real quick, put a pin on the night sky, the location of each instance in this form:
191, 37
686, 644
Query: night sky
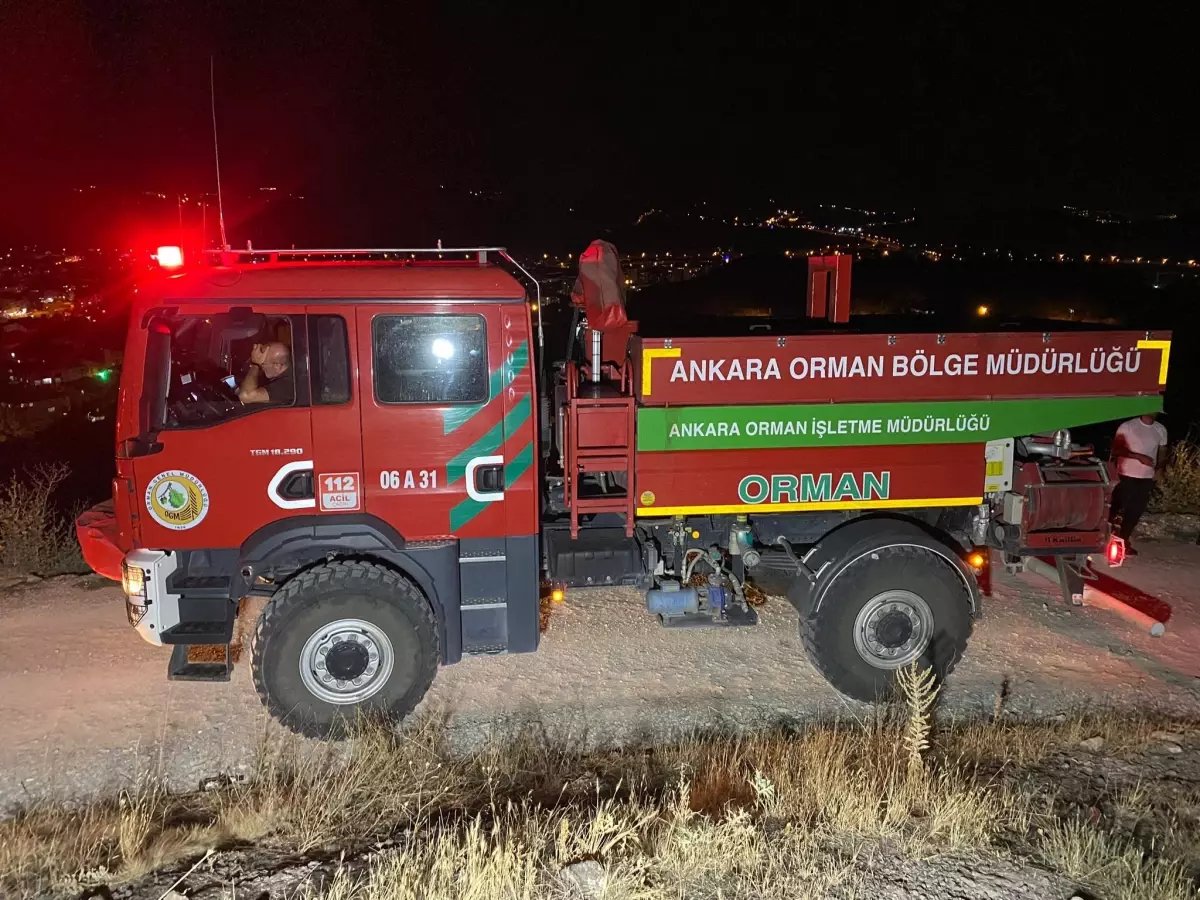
385, 117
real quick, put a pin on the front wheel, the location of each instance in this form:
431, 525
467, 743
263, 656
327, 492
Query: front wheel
344, 640
888, 608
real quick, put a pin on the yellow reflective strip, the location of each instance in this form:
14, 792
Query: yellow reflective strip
1165, 347
648, 356
804, 507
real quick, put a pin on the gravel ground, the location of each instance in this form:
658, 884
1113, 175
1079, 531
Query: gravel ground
879, 871
86, 706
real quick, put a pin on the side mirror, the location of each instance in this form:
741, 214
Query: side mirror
153, 402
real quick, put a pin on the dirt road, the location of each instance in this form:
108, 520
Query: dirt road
85, 704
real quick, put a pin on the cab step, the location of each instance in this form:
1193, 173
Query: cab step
217, 632
180, 668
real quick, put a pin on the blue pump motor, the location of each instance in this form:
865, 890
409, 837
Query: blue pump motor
673, 600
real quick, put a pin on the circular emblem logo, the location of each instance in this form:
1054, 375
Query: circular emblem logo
177, 500
647, 498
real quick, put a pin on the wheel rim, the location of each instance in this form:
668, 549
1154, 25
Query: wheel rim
893, 629
346, 661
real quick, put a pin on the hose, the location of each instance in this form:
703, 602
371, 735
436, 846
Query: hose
738, 586
801, 568
688, 566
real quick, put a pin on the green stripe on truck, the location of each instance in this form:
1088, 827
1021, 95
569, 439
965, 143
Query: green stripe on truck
874, 424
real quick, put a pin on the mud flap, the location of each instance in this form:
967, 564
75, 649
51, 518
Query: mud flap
1070, 578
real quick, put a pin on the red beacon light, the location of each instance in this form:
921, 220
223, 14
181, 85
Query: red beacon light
1115, 551
169, 257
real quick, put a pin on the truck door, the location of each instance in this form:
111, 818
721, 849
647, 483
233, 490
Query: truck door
432, 426
208, 469
447, 406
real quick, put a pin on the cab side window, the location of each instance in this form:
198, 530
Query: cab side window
329, 360
216, 367
430, 359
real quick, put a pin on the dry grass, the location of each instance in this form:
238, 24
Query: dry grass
47, 847
768, 815
1178, 489
651, 850
1118, 868
34, 537
1022, 744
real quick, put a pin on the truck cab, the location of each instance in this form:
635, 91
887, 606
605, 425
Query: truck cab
397, 445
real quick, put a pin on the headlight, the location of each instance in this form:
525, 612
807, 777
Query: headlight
133, 580
135, 612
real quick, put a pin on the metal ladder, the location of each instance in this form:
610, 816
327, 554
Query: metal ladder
600, 437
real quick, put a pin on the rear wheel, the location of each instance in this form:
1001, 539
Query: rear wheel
886, 609
342, 641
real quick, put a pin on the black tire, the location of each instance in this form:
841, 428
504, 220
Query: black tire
331, 592
828, 627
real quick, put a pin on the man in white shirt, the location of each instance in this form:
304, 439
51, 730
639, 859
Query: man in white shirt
1138, 448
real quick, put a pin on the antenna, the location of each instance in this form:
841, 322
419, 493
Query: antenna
212, 90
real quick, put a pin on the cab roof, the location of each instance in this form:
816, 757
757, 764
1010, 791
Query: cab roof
401, 280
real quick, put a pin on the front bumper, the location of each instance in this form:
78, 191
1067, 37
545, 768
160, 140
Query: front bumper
99, 539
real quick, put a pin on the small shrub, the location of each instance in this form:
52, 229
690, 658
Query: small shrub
918, 686
1178, 489
35, 538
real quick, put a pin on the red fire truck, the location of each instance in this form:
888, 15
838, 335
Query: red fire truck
408, 471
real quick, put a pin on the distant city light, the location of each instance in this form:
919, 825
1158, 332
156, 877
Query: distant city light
982, 310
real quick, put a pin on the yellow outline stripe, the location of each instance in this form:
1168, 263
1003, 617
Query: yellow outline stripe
648, 356
801, 507
1165, 347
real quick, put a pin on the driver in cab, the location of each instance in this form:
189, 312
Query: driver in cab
269, 379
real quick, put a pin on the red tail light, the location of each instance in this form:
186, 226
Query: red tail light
169, 257
1115, 551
